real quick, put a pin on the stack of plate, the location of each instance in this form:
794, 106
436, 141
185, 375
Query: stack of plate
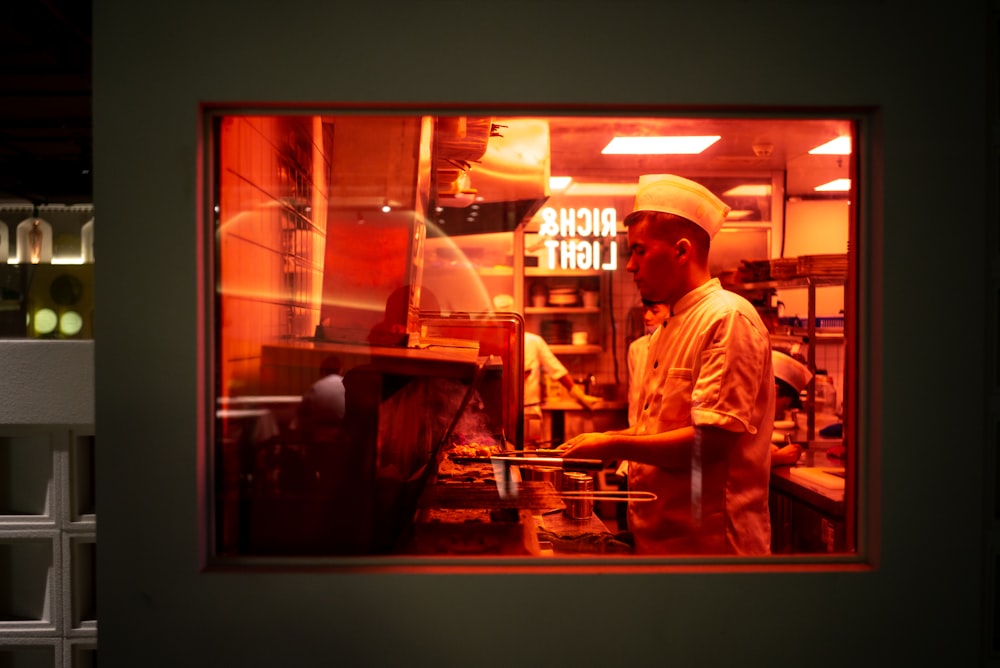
563, 296
557, 332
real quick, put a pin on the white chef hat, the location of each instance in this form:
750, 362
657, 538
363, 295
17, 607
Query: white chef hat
790, 370
682, 197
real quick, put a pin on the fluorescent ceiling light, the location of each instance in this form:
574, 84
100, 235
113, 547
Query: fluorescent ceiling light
559, 182
835, 186
749, 190
838, 146
602, 189
738, 214
659, 145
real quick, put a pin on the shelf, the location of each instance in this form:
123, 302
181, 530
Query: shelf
802, 336
466, 268
797, 282
537, 271
495, 271
577, 310
569, 349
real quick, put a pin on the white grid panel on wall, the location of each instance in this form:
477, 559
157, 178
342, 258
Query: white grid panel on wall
48, 546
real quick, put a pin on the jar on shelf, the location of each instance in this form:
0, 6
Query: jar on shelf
539, 294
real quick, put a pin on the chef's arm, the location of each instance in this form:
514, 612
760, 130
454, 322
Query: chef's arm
669, 449
577, 392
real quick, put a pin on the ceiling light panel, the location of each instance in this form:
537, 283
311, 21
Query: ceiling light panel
659, 145
835, 186
557, 183
838, 146
749, 190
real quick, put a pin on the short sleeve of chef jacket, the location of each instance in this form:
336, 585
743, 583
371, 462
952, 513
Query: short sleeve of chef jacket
731, 390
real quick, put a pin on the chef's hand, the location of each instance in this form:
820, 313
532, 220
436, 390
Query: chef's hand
591, 445
786, 455
587, 401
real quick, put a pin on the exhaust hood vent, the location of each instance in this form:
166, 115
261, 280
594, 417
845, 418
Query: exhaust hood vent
491, 174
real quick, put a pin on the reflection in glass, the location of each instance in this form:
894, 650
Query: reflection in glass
375, 276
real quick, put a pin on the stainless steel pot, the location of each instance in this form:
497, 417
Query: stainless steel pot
543, 474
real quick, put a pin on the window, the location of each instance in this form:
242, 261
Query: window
375, 276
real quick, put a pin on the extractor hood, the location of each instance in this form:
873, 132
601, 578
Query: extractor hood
492, 173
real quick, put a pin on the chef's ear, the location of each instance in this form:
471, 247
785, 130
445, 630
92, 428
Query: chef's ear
683, 248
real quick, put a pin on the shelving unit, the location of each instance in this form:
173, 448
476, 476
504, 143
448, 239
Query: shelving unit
577, 317
467, 272
810, 333
48, 515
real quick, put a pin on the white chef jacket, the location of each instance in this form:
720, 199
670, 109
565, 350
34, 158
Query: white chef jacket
709, 364
636, 358
538, 360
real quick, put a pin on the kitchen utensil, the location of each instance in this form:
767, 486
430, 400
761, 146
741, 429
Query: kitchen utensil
504, 477
566, 463
578, 506
550, 474
611, 495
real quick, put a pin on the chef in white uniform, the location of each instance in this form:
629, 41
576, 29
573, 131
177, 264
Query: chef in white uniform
702, 439
653, 314
539, 362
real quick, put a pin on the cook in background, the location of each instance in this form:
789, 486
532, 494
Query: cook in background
790, 378
702, 439
540, 361
653, 314
321, 412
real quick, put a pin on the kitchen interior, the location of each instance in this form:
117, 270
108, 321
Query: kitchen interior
393, 264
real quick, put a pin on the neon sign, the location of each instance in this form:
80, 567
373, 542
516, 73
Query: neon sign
578, 238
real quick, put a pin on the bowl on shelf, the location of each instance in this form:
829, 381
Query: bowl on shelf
563, 297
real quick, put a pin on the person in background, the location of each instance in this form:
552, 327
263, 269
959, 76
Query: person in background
653, 314
539, 362
790, 378
701, 442
323, 406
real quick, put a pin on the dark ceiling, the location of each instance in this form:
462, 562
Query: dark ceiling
46, 121
45, 102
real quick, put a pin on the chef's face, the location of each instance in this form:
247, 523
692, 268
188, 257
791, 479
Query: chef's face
653, 315
653, 263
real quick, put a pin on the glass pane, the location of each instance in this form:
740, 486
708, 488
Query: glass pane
384, 284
